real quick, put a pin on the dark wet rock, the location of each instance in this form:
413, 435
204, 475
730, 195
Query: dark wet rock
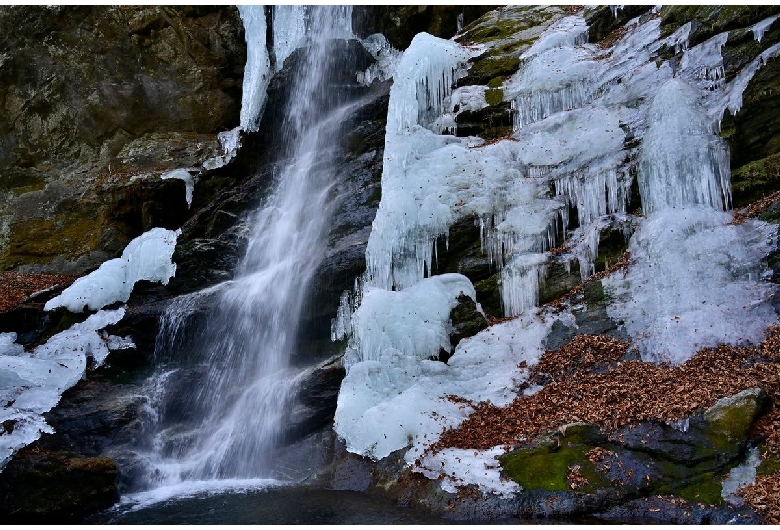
315, 400
666, 510
602, 21
401, 23
56, 487
466, 321
490, 123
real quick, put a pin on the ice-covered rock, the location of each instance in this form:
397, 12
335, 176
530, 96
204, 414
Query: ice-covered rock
147, 257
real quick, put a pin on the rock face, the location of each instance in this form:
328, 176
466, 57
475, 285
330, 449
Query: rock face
97, 103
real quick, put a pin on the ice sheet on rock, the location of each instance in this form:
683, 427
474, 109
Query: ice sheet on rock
189, 182
463, 467
258, 66
741, 475
694, 282
554, 75
703, 64
732, 93
396, 400
31, 384
681, 161
8, 345
147, 257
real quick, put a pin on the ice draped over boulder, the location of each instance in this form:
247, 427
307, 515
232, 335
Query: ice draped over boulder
147, 257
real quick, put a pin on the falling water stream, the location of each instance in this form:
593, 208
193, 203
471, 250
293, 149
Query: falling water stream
225, 425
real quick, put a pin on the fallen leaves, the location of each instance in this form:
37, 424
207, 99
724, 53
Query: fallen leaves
15, 287
764, 497
628, 392
755, 208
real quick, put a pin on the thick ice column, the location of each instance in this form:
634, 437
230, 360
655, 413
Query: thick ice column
258, 66
682, 163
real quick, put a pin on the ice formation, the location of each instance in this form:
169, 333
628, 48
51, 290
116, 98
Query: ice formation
31, 384
147, 257
289, 28
258, 63
585, 118
760, 27
386, 57
189, 182
693, 283
682, 162
396, 399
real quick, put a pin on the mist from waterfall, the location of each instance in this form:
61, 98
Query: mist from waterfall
223, 418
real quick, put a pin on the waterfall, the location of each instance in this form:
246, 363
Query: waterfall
223, 418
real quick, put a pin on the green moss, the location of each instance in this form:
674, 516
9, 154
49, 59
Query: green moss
21, 181
756, 179
545, 468
36, 240
707, 489
770, 466
730, 419
489, 296
494, 96
502, 29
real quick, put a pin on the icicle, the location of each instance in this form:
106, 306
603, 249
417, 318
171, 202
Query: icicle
289, 26
258, 66
760, 28
595, 193
520, 281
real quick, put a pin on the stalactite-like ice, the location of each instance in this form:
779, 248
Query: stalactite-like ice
258, 66
289, 28
682, 162
760, 27
189, 182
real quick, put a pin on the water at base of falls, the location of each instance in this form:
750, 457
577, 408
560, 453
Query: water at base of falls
222, 398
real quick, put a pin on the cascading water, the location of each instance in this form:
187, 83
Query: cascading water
227, 423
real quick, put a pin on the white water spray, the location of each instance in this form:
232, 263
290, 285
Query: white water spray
226, 424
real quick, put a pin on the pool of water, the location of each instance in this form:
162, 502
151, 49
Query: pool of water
269, 505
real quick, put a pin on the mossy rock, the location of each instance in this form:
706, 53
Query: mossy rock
487, 68
547, 467
755, 180
466, 321
490, 123
711, 20
489, 295
37, 240
506, 22
730, 419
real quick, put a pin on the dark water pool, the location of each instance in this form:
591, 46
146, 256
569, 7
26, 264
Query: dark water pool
284, 505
